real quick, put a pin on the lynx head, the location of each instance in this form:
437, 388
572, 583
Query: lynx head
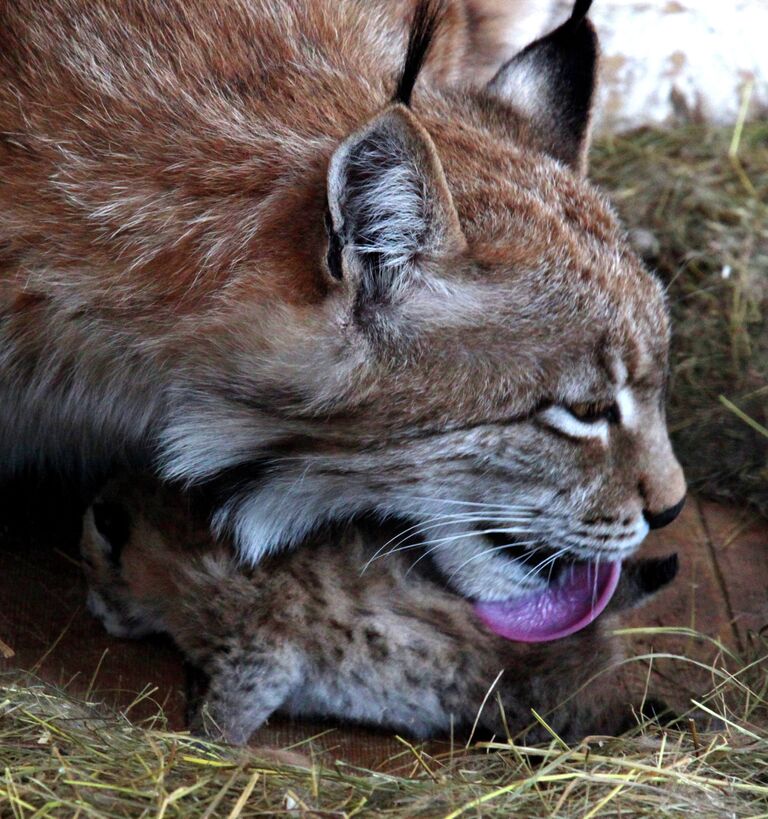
483, 354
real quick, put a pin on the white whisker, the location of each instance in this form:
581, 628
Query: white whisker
450, 538
433, 522
456, 520
486, 553
500, 506
417, 528
594, 586
549, 560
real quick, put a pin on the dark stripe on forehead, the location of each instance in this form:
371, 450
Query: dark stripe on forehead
610, 351
605, 355
632, 359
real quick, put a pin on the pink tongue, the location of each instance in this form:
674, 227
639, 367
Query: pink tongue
559, 610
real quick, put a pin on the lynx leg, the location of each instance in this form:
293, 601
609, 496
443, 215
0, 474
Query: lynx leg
241, 698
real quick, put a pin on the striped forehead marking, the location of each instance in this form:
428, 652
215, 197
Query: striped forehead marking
627, 403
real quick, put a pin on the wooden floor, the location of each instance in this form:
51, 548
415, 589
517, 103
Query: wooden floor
721, 591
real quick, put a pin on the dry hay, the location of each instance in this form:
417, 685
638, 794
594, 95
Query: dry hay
68, 757
703, 196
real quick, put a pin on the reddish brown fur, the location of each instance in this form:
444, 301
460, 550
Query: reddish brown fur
164, 289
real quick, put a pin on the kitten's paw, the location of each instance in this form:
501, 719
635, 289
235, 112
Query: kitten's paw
233, 726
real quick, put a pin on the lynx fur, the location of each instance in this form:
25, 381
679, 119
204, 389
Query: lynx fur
236, 242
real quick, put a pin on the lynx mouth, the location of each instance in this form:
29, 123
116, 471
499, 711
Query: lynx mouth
531, 558
568, 604
576, 593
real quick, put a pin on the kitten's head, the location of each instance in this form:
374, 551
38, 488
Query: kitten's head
107, 529
131, 564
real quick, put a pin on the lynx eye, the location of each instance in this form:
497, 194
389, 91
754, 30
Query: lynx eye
591, 413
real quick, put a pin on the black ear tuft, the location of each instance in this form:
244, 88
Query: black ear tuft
426, 20
113, 523
641, 579
580, 10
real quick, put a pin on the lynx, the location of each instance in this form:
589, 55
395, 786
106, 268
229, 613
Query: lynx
284, 250
332, 630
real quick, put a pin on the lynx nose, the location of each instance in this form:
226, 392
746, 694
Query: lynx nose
656, 520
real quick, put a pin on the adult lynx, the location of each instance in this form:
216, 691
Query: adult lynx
235, 239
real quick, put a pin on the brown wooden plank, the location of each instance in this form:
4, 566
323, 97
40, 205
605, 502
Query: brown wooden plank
695, 601
739, 542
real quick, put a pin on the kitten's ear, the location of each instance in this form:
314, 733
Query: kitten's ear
390, 207
552, 81
112, 523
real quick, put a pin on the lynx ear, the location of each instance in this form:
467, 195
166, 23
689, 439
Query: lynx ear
390, 207
552, 81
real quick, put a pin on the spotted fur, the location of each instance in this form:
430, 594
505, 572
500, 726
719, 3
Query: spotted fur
326, 631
